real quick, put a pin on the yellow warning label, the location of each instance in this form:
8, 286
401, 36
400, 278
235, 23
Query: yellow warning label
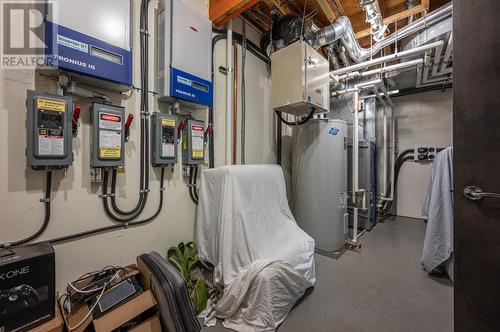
197, 153
110, 153
168, 122
51, 105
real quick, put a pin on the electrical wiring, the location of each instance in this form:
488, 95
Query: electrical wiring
402, 158
124, 225
144, 150
297, 123
91, 309
191, 185
46, 201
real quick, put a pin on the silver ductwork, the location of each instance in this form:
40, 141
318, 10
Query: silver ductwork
332, 57
341, 29
374, 18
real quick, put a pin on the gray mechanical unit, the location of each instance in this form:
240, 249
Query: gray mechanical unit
49, 130
367, 180
164, 139
108, 135
193, 142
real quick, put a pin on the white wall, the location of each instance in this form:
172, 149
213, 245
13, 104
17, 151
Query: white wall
260, 132
75, 205
424, 119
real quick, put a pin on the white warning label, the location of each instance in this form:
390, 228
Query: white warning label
110, 121
197, 141
167, 150
50, 145
342, 200
110, 143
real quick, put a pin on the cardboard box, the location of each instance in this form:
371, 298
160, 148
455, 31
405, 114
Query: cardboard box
120, 315
54, 325
27, 287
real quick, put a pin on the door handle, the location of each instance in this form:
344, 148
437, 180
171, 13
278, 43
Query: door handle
475, 193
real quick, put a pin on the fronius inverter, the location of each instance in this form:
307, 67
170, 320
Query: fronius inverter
163, 139
108, 135
193, 142
91, 38
49, 130
184, 55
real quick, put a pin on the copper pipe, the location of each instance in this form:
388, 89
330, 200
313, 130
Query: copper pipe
235, 102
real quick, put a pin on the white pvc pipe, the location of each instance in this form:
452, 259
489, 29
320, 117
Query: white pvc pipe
355, 164
393, 155
386, 58
229, 91
384, 181
382, 70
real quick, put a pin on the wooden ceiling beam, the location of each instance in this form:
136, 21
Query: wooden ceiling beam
222, 11
328, 9
426, 4
284, 9
394, 18
338, 4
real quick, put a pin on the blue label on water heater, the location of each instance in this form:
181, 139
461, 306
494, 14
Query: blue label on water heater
334, 131
190, 88
71, 50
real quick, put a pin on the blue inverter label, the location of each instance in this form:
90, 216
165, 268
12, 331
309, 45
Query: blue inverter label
190, 88
71, 50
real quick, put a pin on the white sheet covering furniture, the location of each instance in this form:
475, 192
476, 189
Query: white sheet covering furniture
438, 209
261, 257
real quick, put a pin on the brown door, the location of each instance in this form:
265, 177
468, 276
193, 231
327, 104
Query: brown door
476, 105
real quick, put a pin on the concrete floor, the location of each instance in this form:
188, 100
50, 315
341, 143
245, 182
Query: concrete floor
383, 288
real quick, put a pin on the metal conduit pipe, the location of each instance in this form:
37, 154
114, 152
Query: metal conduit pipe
382, 70
229, 90
377, 61
341, 29
355, 150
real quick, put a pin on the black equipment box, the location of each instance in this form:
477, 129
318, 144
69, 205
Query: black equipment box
27, 286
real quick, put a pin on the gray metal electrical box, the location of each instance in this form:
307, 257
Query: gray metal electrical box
49, 130
184, 55
193, 142
163, 139
108, 135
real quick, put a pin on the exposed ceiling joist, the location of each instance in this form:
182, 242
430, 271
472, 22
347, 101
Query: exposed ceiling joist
222, 11
328, 9
283, 8
394, 18
425, 3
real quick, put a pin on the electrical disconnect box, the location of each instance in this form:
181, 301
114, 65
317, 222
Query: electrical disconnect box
193, 142
164, 139
299, 80
49, 130
425, 153
108, 135
91, 38
184, 49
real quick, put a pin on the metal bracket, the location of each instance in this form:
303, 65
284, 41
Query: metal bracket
359, 199
45, 200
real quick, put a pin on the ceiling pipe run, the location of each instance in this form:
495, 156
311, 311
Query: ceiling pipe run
341, 29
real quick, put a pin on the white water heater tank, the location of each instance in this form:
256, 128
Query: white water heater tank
319, 181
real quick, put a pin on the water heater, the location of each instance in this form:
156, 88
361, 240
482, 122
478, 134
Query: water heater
319, 181
184, 55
